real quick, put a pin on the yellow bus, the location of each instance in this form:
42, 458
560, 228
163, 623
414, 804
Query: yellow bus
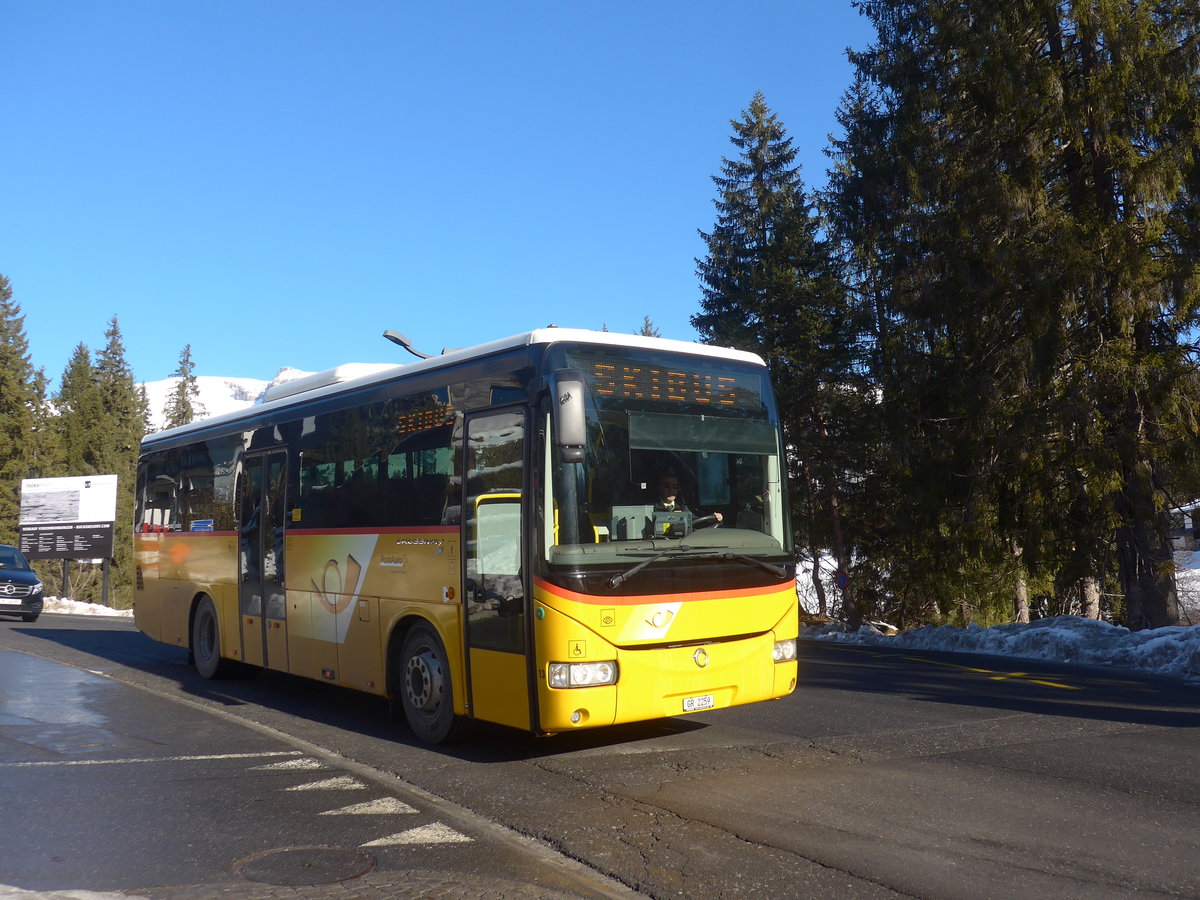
476, 535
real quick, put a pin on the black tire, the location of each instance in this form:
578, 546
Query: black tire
29, 617
206, 642
423, 687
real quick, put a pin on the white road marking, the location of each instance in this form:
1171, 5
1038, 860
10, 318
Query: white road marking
341, 783
437, 833
148, 759
385, 806
291, 765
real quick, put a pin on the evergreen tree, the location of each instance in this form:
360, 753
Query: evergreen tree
18, 402
80, 416
649, 329
79, 410
1017, 189
770, 285
946, 360
101, 420
46, 455
144, 399
125, 416
183, 403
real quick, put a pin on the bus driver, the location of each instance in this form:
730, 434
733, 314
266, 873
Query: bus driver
668, 500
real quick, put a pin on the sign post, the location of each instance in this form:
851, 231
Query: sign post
69, 518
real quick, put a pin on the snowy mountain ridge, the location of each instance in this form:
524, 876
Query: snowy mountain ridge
218, 394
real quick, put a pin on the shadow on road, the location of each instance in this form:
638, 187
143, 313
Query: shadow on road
315, 701
995, 682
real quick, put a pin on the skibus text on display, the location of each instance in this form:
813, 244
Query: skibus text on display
477, 535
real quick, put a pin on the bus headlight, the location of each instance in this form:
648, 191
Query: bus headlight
785, 651
588, 674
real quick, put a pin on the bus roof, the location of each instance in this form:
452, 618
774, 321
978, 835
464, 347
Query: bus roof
355, 375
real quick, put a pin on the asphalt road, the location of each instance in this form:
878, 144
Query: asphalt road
886, 774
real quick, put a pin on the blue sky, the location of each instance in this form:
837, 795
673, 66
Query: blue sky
275, 183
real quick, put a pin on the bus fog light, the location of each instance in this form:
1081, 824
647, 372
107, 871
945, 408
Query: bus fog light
785, 651
589, 674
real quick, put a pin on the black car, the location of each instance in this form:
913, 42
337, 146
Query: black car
20, 589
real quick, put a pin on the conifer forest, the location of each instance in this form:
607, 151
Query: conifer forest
982, 327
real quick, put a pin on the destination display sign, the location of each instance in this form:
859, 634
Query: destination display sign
672, 383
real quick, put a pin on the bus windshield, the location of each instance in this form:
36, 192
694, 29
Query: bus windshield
682, 455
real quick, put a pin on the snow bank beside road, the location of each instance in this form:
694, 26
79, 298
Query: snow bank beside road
79, 608
1066, 639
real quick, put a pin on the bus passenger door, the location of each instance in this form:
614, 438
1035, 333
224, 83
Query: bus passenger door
495, 588
261, 599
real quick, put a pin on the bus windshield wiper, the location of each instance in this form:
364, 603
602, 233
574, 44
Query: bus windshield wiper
625, 576
778, 571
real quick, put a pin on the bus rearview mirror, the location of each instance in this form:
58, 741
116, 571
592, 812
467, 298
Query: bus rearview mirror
566, 407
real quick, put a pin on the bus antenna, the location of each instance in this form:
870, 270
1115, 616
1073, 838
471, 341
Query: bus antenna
397, 338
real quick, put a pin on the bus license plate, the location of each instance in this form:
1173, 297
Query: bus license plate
694, 704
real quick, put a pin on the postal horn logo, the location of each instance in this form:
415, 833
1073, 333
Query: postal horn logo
337, 589
700, 657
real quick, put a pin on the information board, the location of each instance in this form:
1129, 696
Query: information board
68, 518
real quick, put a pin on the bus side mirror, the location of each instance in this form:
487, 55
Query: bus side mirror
566, 407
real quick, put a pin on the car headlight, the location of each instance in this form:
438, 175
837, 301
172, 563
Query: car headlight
588, 674
785, 651
37, 588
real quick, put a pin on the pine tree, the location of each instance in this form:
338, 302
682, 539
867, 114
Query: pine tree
771, 285
1017, 188
183, 403
18, 402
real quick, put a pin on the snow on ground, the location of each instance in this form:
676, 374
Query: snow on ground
79, 608
1064, 639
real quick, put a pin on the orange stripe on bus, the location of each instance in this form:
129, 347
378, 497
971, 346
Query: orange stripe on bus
297, 530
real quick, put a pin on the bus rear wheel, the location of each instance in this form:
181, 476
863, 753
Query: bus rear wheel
423, 685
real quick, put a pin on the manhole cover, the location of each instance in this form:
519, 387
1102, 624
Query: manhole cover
305, 865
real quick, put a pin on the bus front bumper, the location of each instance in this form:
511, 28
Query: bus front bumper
655, 683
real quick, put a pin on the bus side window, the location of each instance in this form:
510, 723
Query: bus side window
158, 503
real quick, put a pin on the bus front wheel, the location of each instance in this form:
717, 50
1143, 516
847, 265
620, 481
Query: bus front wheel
423, 686
206, 641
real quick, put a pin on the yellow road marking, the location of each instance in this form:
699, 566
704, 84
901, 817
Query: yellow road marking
995, 676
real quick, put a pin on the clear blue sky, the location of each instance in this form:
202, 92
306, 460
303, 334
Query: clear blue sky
275, 183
